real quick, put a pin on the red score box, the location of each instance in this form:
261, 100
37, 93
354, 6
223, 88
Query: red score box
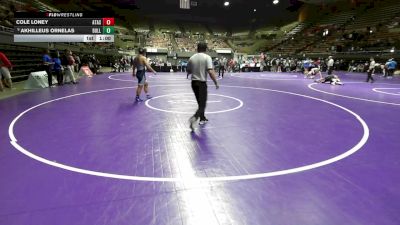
108, 21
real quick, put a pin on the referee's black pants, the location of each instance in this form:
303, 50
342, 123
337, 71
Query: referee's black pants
200, 91
330, 70
369, 76
221, 69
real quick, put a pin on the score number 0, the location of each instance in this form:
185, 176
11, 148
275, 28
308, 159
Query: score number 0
108, 21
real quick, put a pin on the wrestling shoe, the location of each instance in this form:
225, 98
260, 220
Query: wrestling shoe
204, 121
192, 122
138, 99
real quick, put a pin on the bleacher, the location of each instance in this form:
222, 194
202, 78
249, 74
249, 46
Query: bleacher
6, 29
217, 29
43, 7
186, 44
25, 59
265, 38
159, 40
340, 24
166, 27
7, 9
216, 43
194, 28
293, 28
375, 16
305, 35
285, 34
338, 19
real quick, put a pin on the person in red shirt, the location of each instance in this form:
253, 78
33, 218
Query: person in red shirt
5, 75
69, 72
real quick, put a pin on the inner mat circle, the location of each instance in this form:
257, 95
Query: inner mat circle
185, 103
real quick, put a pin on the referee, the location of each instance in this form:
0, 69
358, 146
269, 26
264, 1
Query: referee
331, 63
199, 65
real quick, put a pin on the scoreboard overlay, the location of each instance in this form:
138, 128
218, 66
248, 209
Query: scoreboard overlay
63, 27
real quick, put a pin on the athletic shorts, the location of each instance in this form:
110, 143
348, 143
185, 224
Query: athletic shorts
5, 73
141, 76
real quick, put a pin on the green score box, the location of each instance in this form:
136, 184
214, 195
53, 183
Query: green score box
108, 30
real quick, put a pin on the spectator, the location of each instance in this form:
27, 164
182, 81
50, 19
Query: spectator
391, 67
70, 62
330, 64
47, 65
77, 62
57, 68
221, 67
5, 67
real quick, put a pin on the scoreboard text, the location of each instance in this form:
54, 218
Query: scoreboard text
62, 27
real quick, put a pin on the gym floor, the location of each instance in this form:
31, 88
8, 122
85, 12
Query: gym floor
278, 149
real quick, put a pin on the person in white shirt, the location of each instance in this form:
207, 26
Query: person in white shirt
199, 65
371, 69
330, 65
